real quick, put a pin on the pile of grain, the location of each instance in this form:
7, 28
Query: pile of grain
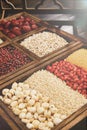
43, 43
79, 58
66, 100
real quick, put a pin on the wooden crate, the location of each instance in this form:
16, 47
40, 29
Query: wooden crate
37, 21
68, 37
69, 122
7, 77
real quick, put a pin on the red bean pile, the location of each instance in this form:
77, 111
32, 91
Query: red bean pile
17, 26
11, 59
74, 76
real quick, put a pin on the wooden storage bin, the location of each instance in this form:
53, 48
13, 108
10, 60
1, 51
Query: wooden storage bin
66, 124
37, 21
72, 40
6, 77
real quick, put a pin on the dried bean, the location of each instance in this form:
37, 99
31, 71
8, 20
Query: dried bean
11, 59
73, 75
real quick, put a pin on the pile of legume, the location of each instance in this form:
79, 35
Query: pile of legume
66, 99
11, 59
79, 58
73, 75
43, 43
34, 109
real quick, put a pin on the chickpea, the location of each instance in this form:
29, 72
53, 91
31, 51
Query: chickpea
29, 125
36, 124
5, 91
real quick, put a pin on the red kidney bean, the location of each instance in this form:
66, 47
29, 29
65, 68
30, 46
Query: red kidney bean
11, 59
74, 76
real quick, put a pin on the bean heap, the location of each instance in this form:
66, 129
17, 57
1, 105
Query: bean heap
11, 59
35, 110
66, 99
73, 75
17, 26
43, 43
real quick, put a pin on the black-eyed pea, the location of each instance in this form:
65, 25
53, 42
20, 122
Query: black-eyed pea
21, 100
25, 121
22, 115
36, 115
53, 110
36, 98
14, 98
36, 124
31, 102
47, 113
14, 86
29, 115
20, 85
13, 104
32, 109
41, 118
5, 91
26, 99
24, 110
41, 126
45, 105
16, 111
7, 101
50, 124
12, 91
40, 110
21, 106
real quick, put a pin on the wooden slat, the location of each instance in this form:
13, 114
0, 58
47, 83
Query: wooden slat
8, 120
16, 122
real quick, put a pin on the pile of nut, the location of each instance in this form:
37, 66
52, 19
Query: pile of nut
43, 43
35, 110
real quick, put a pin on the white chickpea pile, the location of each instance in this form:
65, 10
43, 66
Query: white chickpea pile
35, 110
65, 99
43, 43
